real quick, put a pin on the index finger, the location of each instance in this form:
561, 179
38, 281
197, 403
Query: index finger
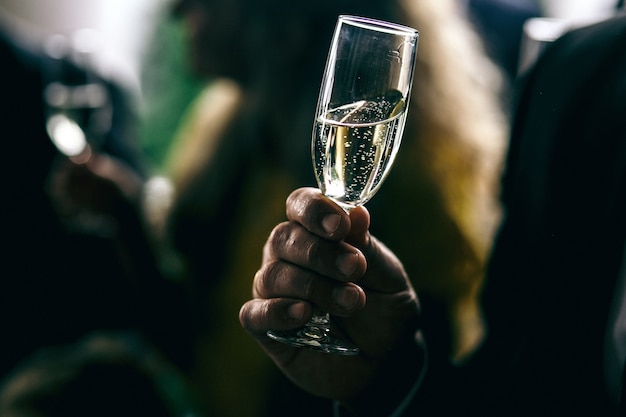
318, 214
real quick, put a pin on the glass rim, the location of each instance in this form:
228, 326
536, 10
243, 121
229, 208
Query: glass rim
369, 23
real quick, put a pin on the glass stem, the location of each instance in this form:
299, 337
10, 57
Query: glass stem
318, 327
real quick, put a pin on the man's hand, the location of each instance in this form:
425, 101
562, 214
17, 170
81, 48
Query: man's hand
324, 257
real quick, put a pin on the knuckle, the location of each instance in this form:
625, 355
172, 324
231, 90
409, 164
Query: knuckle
308, 287
296, 205
311, 249
254, 315
245, 316
283, 235
264, 279
300, 200
257, 284
289, 240
278, 279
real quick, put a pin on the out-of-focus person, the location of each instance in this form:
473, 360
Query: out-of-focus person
77, 255
245, 144
555, 292
501, 26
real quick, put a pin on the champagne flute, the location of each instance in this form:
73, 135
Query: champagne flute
359, 121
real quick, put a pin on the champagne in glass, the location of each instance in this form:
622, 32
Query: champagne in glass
355, 145
358, 126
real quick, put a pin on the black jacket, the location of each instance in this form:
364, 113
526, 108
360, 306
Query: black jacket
559, 250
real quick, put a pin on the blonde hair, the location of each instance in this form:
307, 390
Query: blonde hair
456, 93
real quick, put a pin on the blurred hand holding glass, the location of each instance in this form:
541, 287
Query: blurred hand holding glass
77, 103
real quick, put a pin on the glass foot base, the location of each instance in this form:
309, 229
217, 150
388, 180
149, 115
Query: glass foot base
325, 344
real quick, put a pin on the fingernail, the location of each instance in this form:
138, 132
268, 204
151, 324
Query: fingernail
347, 263
296, 311
331, 222
346, 297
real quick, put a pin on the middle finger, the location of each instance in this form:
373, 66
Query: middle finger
281, 279
337, 260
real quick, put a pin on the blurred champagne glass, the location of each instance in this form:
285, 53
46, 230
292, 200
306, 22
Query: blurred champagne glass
78, 108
